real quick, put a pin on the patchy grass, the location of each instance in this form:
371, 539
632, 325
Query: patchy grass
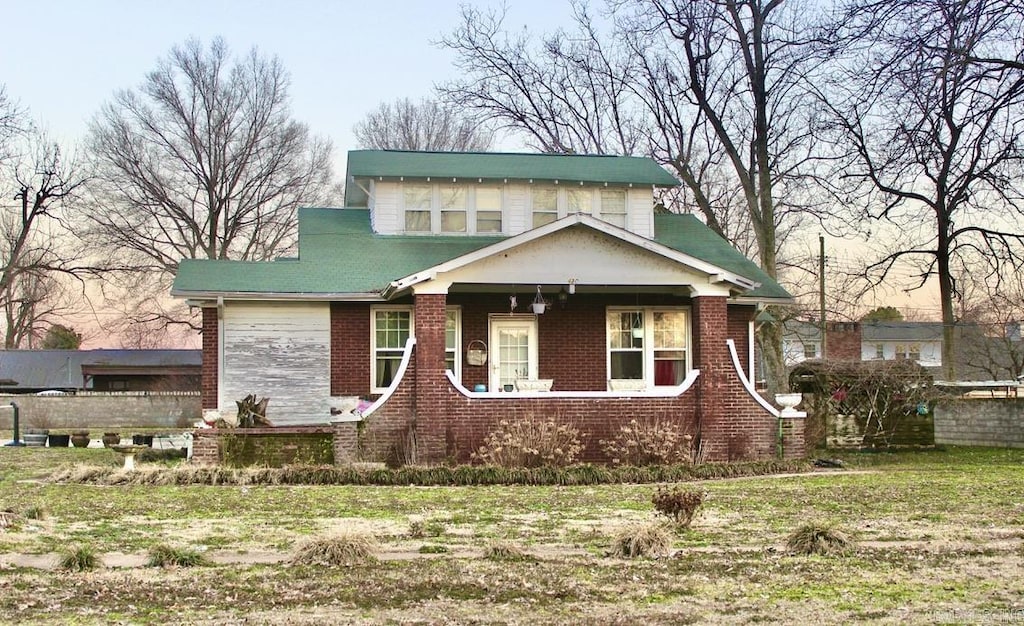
940, 536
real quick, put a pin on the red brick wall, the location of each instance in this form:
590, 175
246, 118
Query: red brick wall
350, 348
739, 332
843, 341
208, 371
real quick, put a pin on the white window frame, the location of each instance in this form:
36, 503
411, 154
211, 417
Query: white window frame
469, 193
559, 203
456, 349
602, 214
648, 338
373, 338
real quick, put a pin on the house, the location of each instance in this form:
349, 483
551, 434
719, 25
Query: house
458, 289
34, 371
865, 341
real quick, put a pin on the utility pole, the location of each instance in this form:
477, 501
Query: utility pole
821, 296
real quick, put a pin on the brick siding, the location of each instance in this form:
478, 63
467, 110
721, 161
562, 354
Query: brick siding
208, 371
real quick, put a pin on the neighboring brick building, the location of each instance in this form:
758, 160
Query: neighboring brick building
460, 289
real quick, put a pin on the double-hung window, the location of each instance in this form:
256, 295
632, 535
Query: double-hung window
488, 209
392, 326
453, 209
579, 200
613, 206
649, 344
418, 201
545, 205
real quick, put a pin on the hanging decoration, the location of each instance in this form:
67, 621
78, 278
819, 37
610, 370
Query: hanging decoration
539, 304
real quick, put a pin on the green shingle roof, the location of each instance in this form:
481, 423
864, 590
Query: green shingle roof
688, 234
574, 168
338, 254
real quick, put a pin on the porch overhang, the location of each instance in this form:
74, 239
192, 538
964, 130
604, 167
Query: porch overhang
581, 251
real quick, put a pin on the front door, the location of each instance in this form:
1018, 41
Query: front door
513, 350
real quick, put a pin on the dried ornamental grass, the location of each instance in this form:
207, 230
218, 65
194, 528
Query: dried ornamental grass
818, 539
642, 540
531, 442
339, 550
648, 442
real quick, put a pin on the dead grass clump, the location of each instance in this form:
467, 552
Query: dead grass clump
36, 512
818, 539
163, 555
83, 474
679, 505
78, 559
504, 551
531, 442
642, 540
342, 549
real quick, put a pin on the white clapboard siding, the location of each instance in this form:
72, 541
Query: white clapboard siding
385, 209
640, 212
517, 210
281, 351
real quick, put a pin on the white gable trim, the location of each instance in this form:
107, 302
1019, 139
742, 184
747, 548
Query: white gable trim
716, 274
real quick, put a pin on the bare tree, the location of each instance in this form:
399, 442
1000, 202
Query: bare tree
427, 125
715, 89
934, 136
203, 160
36, 252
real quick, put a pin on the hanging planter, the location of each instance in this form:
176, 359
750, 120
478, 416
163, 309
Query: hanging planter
476, 353
638, 327
539, 304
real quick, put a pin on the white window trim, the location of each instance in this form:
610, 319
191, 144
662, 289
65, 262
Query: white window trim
457, 349
412, 333
472, 208
648, 349
373, 337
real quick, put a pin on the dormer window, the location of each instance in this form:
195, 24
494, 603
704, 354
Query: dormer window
545, 205
488, 209
453, 209
613, 206
418, 203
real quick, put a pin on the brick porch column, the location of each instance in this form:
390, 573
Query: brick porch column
711, 356
430, 378
208, 374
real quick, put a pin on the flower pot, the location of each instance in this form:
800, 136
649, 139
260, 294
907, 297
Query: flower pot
59, 441
111, 439
539, 307
35, 438
80, 439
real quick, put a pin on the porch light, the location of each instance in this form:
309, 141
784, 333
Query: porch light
563, 298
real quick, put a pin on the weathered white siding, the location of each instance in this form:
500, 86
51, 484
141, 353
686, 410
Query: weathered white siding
640, 212
518, 200
385, 208
279, 350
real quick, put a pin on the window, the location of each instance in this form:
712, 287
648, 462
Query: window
418, 201
669, 347
613, 206
879, 351
545, 205
452, 331
648, 344
392, 327
901, 352
810, 350
626, 345
579, 200
914, 352
453, 209
488, 209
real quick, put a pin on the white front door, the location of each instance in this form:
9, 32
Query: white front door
513, 350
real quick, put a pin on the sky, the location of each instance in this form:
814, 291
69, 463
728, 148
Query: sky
63, 59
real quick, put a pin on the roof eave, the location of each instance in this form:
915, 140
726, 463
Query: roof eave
192, 297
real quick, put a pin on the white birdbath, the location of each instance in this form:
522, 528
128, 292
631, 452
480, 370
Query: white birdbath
129, 453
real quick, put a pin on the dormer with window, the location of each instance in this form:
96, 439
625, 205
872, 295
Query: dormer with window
433, 193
